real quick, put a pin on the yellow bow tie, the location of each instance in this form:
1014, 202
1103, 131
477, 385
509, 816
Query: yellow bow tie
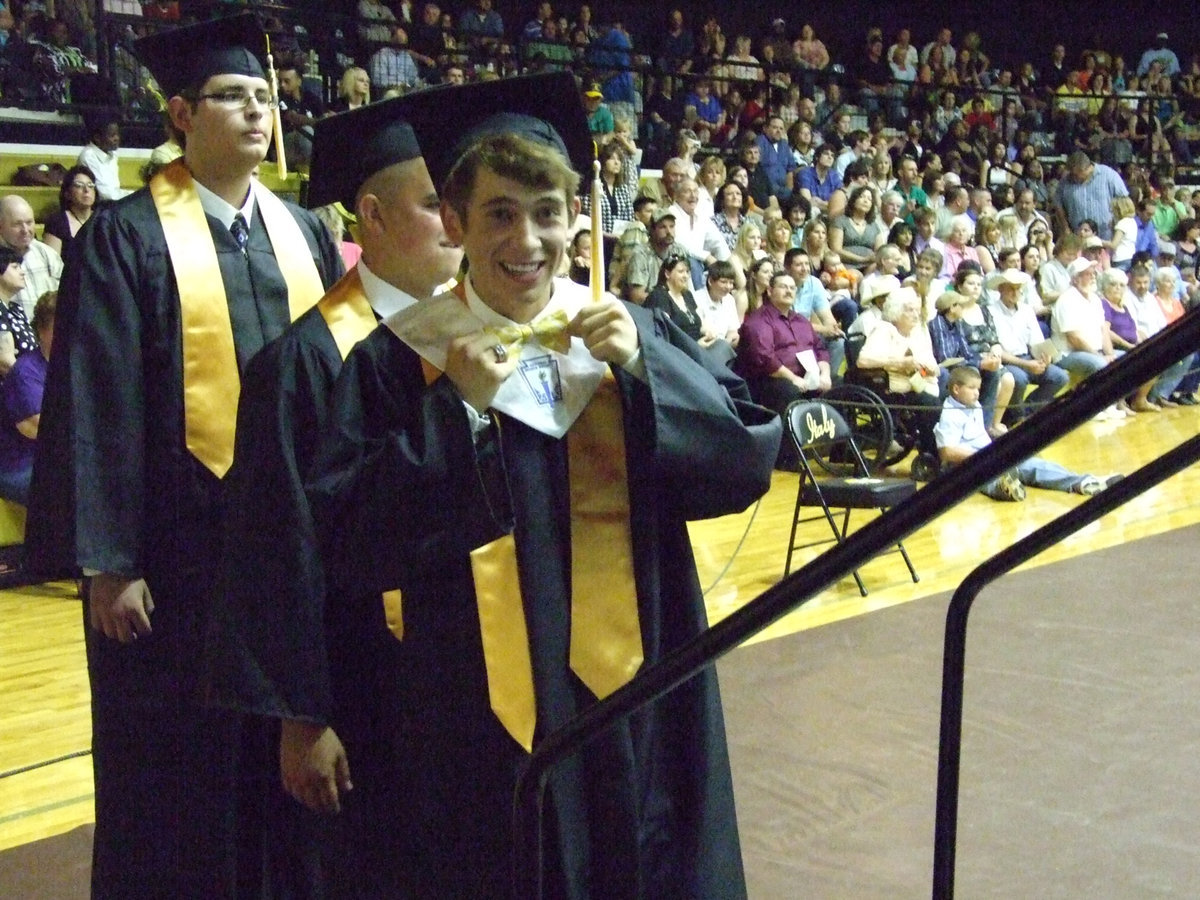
550, 331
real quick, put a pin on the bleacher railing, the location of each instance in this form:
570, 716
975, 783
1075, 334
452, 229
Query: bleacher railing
1096, 393
511, 55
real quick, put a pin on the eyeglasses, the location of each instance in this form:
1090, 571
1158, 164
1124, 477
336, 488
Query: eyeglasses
238, 99
83, 185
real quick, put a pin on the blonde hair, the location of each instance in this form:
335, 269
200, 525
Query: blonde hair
712, 164
982, 227
1123, 208
778, 226
346, 85
741, 248
329, 216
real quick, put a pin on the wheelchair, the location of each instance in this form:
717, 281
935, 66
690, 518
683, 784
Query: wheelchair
885, 436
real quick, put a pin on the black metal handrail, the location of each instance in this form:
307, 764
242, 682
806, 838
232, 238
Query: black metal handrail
1097, 392
955, 651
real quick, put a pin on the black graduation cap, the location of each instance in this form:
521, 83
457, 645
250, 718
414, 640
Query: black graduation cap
350, 147
545, 108
187, 57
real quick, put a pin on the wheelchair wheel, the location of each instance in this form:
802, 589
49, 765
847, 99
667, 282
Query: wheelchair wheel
871, 422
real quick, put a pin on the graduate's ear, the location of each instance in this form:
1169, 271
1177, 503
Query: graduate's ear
453, 224
181, 111
576, 205
369, 213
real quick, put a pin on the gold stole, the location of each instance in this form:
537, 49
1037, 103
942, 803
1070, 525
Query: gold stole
347, 312
606, 638
348, 315
211, 380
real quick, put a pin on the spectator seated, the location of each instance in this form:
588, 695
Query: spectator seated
781, 357
961, 434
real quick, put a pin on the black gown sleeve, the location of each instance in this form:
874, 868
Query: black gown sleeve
713, 448
89, 477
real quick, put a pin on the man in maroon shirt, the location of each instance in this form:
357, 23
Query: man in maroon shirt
771, 341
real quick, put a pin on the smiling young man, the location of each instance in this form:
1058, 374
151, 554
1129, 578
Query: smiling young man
519, 461
168, 295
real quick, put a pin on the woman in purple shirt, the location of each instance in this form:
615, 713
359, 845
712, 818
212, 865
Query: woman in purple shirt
22, 393
1123, 330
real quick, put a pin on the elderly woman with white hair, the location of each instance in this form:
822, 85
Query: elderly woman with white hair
958, 249
1123, 332
1177, 385
900, 346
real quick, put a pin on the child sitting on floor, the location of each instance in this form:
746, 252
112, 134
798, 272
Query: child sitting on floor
960, 433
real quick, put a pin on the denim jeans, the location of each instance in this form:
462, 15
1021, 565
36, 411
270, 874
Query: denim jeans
1082, 363
14, 485
1040, 473
1049, 383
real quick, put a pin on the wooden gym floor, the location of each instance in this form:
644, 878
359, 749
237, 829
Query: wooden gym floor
45, 770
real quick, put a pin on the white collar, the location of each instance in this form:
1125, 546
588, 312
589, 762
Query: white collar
386, 299
548, 390
560, 298
223, 211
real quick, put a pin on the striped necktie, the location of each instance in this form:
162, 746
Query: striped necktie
240, 232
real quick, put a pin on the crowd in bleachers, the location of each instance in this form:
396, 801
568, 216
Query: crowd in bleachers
761, 166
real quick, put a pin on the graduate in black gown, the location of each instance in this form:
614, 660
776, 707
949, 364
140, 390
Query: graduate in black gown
526, 492
165, 300
266, 646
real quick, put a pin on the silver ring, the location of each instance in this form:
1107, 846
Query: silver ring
501, 353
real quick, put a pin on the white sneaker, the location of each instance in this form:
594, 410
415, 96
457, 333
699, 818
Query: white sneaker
1104, 415
1115, 412
1091, 485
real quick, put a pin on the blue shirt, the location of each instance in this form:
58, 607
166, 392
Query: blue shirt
777, 161
22, 397
1166, 56
393, 67
949, 340
708, 110
811, 297
1147, 239
1092, 199
611, 52
822, 189
961, 426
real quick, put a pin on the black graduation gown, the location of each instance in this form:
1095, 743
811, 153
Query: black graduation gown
116, 490
266, 650
401, 493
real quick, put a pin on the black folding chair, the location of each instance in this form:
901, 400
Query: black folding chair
817, 429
